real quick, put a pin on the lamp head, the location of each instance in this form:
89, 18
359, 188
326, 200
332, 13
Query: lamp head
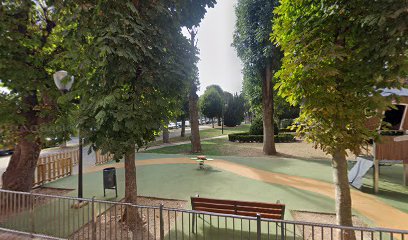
63, 81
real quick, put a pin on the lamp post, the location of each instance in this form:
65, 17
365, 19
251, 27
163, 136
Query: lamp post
223, 111
64, 82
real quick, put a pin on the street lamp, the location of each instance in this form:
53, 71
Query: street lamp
223, 111
64, 82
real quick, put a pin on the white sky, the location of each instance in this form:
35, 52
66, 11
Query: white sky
219, 63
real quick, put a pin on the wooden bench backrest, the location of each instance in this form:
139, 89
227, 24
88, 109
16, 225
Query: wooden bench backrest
243, 208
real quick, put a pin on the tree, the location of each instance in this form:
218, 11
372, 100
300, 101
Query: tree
235, 110
136, 63
223, 97
211, 104
30, 42
193, 97
261, 58
338, 57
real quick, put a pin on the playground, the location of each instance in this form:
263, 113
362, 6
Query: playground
300, 184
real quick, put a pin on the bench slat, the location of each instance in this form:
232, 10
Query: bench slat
241, 203
214, 205
260, 210
263, 215
244, 208
215, 210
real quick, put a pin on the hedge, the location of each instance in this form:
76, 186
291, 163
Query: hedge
246, 137
392, 132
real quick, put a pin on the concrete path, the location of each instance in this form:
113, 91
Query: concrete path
381, 214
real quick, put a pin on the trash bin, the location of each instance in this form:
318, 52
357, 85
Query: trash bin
109, 180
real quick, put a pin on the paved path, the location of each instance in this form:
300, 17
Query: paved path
377, 211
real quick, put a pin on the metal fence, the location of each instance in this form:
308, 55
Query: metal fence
59, 217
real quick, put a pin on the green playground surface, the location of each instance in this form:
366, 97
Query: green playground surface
181, 181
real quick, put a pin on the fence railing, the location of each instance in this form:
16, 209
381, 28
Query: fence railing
102, 158
70, 153
52, 169
53, 166
59, 217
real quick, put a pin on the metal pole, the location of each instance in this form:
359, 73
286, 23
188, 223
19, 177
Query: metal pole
161, 223
222, 124
258, 226
80, 168
93, 225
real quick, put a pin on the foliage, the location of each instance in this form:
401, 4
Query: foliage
30, 45
257, 127
338, 57
184, 111
392, 133
251, 37
211, 103
235, 110
251, 40
135, 66
247, 138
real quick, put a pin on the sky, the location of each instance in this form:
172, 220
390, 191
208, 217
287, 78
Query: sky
219, 63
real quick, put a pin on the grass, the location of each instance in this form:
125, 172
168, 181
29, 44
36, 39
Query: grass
206, 133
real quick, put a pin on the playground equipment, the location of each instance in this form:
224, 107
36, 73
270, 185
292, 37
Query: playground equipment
392, 149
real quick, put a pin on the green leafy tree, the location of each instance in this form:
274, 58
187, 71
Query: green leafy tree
261, 58
135, 66
223, 97
30, 43
235, 110
338, 57
211, 103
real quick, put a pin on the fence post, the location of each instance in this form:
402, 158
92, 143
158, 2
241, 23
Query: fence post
161, 222
31, 203
258, 226
93, 219
282, 231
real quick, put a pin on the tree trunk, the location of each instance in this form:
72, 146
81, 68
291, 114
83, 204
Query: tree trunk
267, 105
183, 127
212, 120
194, 126
166, 135
219, 121
19, 175
343, 197
131, 215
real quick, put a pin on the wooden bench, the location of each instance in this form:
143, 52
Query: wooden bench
241, 208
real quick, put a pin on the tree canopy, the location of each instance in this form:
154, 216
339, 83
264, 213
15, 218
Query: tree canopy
338, 56
136, 67
235, 110
211, 103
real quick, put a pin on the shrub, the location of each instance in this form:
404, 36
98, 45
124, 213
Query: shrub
247, 137
257, 127
392, 133
285, 123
